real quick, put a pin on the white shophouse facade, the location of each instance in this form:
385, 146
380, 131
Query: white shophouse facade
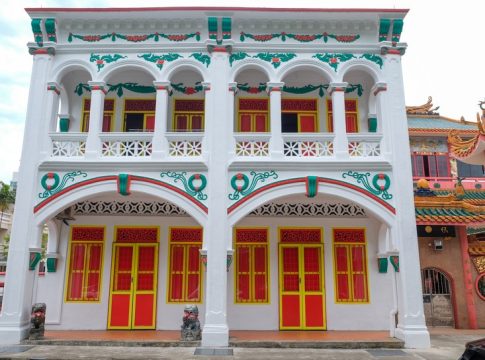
252, 161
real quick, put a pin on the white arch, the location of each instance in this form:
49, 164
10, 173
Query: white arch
126, 64
70, 65
360, 65
272, 193
106, 187
312, 64
184, 64
255, 64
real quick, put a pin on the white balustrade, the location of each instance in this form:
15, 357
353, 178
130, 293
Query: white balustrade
308, 145
364, 145
252, 145
184, 144
68, 144
126, 144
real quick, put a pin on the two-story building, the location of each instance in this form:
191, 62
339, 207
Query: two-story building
254, 162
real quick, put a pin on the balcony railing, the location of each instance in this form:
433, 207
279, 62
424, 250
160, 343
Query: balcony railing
448, 183
364, 145
68, 144
184, 144
126, 144
252, 145
308, 145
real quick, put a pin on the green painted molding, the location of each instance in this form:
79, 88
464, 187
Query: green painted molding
50, 28
384, 26
212, 27
37, 31
397, 26
124, 184
226, 27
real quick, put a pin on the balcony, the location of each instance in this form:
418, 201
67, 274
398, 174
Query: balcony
309, 145
126, 145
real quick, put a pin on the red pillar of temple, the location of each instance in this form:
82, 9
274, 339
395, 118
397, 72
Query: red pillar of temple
467, 277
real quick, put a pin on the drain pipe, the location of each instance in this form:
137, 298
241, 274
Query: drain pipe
394, 310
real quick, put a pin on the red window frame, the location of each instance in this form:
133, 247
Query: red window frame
351, 116
431, 165
107, 115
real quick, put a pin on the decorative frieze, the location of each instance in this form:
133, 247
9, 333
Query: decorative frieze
135, 38
243, 186
128, 208
194, 185
52, 183
309, 210
377, 185
102, 60
302, 38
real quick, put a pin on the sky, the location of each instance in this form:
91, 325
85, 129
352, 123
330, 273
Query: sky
445, 50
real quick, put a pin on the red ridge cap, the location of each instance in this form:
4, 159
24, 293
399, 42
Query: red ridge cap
214, 8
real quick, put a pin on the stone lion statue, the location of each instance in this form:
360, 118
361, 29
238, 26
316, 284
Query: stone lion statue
190, 329
37, 321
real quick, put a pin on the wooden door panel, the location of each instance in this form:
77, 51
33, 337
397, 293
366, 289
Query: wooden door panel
121, 287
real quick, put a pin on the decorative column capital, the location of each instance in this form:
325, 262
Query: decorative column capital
206, 86
233, 87
54, 86
378, 87
274, 86
337, 86
98, 85
390, 48
48, 48
219, 46
162, 85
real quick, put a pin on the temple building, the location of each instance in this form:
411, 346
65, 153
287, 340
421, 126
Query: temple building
249, 161
450, 216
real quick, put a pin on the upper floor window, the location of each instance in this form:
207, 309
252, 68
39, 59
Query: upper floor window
431, 165
299, 115
252, 115
139, 115
188, 115
351, 116
108, 115
468, 170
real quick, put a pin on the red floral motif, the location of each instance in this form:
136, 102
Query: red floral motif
137, 235
262, 37
304, 37
99, 62
345, 38
91, 38
136, 38
190, 90
251, 236
253, 90
275, 60
300, 236
177, 37
83, 233
349, 236
160, 61
186, 235
333, 60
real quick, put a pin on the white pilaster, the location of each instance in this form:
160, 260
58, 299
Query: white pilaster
93, 142
411, 327
159, 141
379, 92
216, 232
340, 142
276, 142
17, 301
232, 92
49, 123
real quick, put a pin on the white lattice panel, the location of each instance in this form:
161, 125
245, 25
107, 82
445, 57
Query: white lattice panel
252, 148
308, 148
68, 148
309, 210
364, 149
185, 148
126, 148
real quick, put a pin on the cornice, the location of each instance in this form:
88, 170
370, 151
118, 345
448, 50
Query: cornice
316, 165
122, 165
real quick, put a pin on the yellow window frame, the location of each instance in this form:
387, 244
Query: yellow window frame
189, 115
85, 271
85, 115
146, 113
356, 113
350, 272
253, 114
252, 265
186, 273
300, 112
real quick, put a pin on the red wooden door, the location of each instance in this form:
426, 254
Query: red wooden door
302, 300
133, 286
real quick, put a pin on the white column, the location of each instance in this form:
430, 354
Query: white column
340, 142
93, 142
216, 232
379, 92
276, 142
233, 117
411, 327
159, 141
49, 123
17, 301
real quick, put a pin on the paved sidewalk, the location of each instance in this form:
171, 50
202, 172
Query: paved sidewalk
445, 345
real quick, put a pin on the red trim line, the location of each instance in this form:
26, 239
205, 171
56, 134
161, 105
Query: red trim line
115, 178
303, 180
215, 8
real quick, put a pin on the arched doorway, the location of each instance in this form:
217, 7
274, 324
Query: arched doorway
437, 297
